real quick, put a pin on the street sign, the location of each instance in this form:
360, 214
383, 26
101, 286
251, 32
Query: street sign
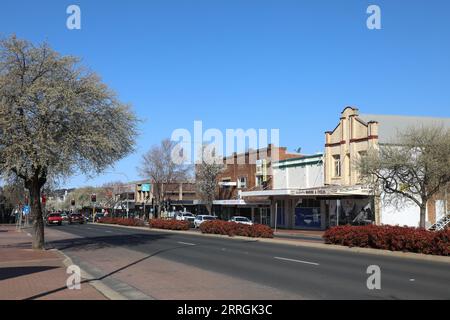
26, 210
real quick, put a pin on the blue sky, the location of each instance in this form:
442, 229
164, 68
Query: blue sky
291, 65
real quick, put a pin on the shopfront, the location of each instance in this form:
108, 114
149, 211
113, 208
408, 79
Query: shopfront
258, 211
318, 208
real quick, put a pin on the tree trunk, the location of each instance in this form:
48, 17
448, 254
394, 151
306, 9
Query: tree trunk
423, 213
158, 210
209, 208
34, 188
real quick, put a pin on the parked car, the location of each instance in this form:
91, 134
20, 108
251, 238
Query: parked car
202, 218
243, 220
64, 216
76, 218
185, 216
54, 218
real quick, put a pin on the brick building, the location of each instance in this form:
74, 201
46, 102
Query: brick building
244, 172
180, 196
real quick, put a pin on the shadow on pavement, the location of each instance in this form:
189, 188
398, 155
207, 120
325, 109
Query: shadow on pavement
102, 242
40, 295
13, 272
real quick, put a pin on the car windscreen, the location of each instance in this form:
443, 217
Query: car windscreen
188, 214
209, 218
241, 219
54, 215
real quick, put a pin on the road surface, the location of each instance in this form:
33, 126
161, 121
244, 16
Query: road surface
246, 269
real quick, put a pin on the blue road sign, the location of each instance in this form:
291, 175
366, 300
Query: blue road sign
26, 210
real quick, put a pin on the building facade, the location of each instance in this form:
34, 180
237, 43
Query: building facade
352, 138
245, 172
181, 196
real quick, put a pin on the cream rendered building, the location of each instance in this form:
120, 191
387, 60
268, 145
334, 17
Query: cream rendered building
349, 140
353, 137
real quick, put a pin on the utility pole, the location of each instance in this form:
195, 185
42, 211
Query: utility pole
127, 201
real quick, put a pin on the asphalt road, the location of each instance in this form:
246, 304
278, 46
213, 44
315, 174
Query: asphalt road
310, 272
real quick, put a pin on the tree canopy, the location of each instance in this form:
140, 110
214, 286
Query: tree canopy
56, 118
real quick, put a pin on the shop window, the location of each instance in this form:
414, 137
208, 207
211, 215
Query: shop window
307, 214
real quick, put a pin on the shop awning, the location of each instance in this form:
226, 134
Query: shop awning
322, 191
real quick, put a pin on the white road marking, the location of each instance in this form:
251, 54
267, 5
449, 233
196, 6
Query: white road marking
412, 280
108, 231
186, 243
28, 234
299, 261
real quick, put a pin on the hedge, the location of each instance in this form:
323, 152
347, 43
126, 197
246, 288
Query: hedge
169, 224
392, 238
123, 221
236, 229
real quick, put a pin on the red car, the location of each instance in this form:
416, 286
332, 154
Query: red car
54, 218
76, 218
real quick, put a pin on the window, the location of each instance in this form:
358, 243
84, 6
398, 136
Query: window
337, 166
242, 182
259, 181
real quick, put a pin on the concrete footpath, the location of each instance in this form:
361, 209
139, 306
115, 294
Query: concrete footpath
35, 274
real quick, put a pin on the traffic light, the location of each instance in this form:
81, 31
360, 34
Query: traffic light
94, 198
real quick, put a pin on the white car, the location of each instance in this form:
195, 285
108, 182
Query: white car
185, 216
202, 218
243, 220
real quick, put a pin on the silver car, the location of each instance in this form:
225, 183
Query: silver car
202, 218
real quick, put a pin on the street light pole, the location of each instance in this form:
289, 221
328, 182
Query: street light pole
127, 202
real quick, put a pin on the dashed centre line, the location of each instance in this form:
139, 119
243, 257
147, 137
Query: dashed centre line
298, 261
186, 243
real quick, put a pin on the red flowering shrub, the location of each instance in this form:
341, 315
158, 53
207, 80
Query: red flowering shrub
169, 224
236, 229
392, 238
122, 221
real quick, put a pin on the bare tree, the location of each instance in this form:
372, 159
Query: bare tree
414, 168
159, 167
56, 118
14, 193
206, 175
110, 190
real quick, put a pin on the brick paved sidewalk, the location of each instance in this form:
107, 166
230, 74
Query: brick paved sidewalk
35, 274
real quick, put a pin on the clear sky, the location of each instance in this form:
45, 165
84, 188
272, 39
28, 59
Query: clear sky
292, 65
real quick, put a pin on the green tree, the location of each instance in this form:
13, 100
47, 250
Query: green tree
57, 118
